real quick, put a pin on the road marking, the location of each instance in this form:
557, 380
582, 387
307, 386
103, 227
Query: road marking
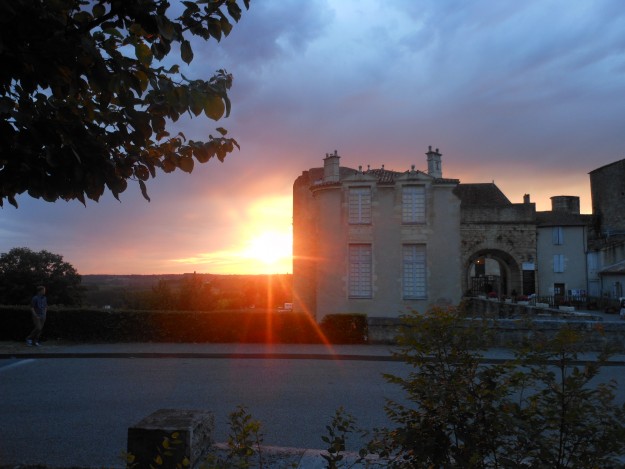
16, 364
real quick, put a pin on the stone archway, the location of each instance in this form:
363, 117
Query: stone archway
492, 270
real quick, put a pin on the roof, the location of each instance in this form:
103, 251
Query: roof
619, 162
556, 218
614, 269
481, 195
384, 176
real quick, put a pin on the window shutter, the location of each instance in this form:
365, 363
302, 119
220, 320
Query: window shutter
413, 204
360, 271
359, 205
414, 283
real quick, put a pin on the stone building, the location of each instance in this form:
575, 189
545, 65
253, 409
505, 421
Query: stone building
375, 241
498, 241
378, 242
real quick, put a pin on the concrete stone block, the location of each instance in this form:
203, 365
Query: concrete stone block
194, 436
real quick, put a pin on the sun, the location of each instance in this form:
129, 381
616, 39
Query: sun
273, 249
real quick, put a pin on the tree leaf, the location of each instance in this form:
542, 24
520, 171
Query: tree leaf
143, 53
214, 107
98, 10
165, 27
186, 53
144, 190
186, 164
143, 79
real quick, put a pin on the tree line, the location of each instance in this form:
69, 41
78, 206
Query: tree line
22, 270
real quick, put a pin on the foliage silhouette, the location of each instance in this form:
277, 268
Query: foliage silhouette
22, 270
88, 93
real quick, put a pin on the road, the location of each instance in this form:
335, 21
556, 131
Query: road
74, 408
76, 411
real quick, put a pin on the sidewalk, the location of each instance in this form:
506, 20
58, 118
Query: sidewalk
365, 352
65, 349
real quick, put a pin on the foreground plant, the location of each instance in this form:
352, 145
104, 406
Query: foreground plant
538, 410
244, 443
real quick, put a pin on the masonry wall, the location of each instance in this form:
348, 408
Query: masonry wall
607, 190
498, 230
514, 325
304, 246
386, 234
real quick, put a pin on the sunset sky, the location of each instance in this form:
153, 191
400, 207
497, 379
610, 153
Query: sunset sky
529, 94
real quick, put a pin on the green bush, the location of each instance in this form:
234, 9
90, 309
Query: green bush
542, 409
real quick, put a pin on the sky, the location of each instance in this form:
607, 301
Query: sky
527, 94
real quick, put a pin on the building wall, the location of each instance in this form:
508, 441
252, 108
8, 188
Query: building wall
304, 245
322, 235
573, 250
607, 190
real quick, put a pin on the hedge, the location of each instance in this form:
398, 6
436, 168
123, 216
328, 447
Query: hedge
241, 326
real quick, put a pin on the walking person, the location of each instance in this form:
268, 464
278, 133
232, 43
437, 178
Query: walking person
38, 308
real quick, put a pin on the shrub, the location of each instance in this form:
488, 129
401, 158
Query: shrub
345, 328
242, 326
538, 410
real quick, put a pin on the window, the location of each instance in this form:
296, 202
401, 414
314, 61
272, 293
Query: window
360, 271
359, 205
558, 263
414, 271
557, 234
413, 204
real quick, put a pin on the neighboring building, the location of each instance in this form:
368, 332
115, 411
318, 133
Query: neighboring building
606, 253
374, 241
561, 244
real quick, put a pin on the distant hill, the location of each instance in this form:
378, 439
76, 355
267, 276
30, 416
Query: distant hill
120, 291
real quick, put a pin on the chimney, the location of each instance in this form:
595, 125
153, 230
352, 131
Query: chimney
435, 168
565, 203
331, 167
526, 199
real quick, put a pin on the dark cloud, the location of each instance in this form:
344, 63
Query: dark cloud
517, 92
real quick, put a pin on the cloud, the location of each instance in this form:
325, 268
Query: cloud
529, 94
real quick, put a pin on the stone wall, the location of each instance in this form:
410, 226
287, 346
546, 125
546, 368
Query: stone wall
607, 188
507, 234
515, 324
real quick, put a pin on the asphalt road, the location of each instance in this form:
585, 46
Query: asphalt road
71, 405
76, 411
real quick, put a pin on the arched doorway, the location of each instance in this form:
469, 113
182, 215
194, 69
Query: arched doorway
492, 270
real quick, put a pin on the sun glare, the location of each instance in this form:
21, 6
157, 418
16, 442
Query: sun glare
272, 248
263, 245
